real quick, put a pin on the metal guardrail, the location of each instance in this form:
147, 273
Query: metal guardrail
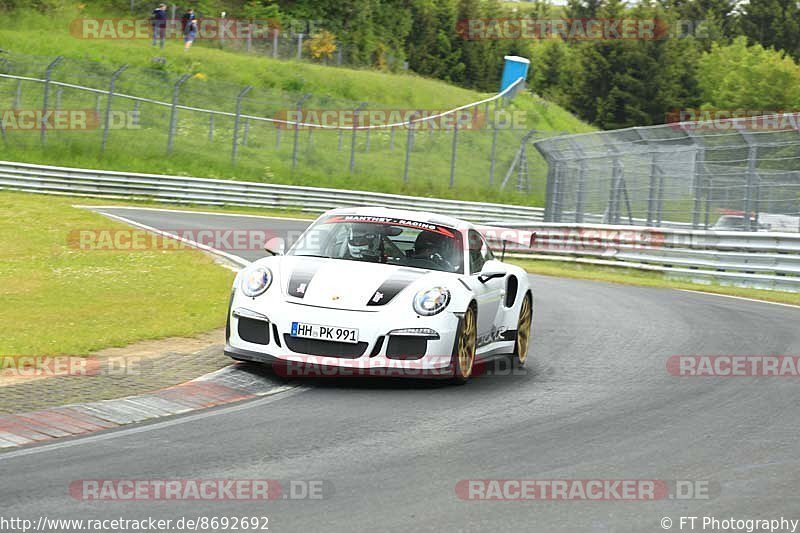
748, 259
178, 189
745, 259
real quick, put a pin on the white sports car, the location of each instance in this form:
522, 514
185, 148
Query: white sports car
379, 291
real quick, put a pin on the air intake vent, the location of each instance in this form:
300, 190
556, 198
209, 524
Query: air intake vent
406, 347
254, 331
344, 350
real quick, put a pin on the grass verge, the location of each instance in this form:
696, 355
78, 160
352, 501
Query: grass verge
60, 300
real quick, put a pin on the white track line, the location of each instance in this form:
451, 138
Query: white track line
739, 298
93, 207
230, 257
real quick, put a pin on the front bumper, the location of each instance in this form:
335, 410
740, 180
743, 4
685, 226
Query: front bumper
261, 335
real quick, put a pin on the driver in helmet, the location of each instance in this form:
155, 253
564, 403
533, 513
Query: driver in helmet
363, 243
434, 247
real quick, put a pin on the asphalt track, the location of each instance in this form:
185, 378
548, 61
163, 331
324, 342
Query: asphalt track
595, 402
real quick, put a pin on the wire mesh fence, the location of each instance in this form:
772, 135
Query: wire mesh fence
158, 113
728, 174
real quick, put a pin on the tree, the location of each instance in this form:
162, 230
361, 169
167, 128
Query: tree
773, 23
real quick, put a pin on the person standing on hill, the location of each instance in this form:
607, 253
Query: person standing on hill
159, 20
189, 31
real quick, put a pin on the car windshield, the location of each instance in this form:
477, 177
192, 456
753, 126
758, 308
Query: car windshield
386, 240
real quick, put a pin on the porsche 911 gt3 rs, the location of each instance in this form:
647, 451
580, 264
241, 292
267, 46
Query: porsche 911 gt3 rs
366, 290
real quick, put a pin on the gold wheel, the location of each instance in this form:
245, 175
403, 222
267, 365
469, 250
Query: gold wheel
467, 342
524, 330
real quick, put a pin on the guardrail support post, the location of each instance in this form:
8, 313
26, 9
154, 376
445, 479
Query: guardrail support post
107, 119
47, 75
173, 115
297, 129
236, 118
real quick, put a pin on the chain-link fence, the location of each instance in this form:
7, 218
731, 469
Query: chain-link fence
266, 134
732, 174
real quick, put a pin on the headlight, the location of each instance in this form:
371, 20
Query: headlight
431, 301
255, 281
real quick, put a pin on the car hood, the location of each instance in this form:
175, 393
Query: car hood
342, 284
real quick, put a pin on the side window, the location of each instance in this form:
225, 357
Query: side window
479, 252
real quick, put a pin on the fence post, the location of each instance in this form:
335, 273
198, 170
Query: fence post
356, 111
751, 194
275, 33
391, 139
236, 118
47, 74
299, 46
246, 133
493, 158
651, 189
341, 136
249, 36
211, 127
297, 128
551, 183
136, 113
107, 119
18, 95
454, 152
409, 144
59, 91
173, 115
366, 141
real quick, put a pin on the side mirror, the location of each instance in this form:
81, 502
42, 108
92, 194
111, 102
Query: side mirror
275, 246
483, 277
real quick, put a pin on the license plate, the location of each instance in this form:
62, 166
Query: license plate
325, 333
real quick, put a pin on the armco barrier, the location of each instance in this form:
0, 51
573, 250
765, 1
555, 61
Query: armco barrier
763, 260
179, 189
755, 260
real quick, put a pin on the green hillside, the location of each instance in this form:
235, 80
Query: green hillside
31, 40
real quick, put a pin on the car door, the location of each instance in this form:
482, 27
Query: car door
488, 293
